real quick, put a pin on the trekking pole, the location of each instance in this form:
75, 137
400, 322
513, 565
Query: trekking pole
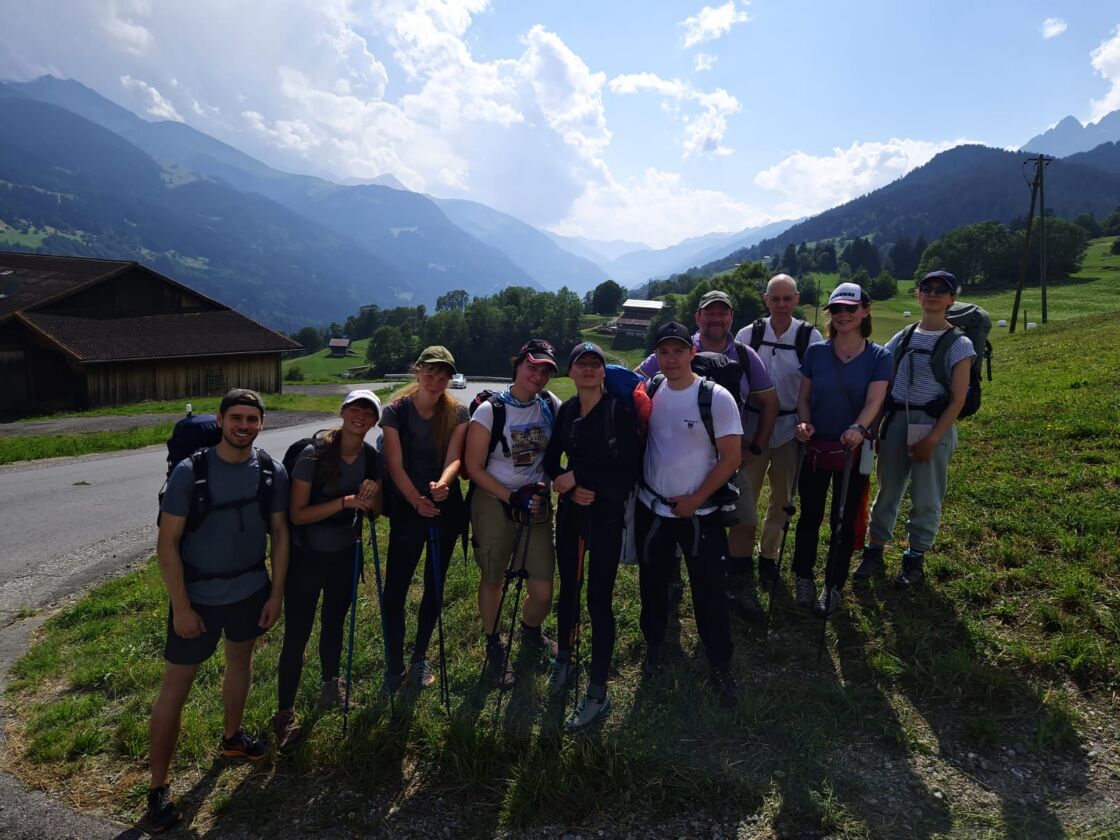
433, 548
380, 602
353, 623
521, 575
789, 510
577, 609
833, 542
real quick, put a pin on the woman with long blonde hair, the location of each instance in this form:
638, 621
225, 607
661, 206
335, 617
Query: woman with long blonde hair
424, 428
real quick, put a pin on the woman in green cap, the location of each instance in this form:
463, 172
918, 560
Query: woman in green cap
424, 428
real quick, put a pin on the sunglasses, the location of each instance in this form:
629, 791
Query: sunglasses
934, 289
850, 308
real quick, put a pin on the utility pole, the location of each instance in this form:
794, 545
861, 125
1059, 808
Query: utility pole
1043, 162
1026, 239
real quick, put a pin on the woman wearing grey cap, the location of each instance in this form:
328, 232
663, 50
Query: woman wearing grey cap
335, 478
425, 428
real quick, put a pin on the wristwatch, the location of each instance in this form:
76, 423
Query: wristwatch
754, 448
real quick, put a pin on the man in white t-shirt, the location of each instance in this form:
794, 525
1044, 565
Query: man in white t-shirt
685, 466
780, 342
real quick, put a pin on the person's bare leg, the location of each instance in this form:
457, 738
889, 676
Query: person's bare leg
163, 730
235, 684
488, 596
538, 602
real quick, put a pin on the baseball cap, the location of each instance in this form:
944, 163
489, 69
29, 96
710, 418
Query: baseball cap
363, 394
945, 277
539, 352
848, 293
241, 396
673, 331
583, 348
437, 355
715, 296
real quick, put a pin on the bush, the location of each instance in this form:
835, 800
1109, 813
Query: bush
1115, 249
294, 374
883, 287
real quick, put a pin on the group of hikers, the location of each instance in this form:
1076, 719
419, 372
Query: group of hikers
676, 469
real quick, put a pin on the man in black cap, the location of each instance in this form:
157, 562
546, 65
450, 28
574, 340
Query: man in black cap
684, 469
221, 504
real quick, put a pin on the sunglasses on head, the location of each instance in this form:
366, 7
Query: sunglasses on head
934, 289
850, 308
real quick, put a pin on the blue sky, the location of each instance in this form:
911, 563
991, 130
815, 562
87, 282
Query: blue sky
637, 120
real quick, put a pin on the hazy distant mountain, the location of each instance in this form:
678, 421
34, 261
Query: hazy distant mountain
72, 187
404, 229
599, 251
961, 186
531, 249
1069, 136
1105, 156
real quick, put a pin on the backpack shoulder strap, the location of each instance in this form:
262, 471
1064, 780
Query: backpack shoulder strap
372, 461
744, 365
704, 401
610, 423
200, 489
940, 351
653, 383
266, 484
498, 425
758, 331
801, 340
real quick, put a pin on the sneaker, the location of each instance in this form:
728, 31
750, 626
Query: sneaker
391, 683
912, 573
725, 684
829, 602
768, 573
497, 667
535, 639
562, 673
870, 566
244, 745
421, 674
161, 813
651, 665
804, 592
589, 710
285, 725
743, 599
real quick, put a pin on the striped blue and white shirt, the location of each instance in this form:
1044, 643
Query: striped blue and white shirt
914, 377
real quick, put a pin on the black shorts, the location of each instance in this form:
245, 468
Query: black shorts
239, 621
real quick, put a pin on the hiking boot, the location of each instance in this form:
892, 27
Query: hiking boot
562, 673
161, 813
651, 665
332, 695
535, 639
725, 684
286, 727
804, 592
768, 572
743, 599
912, 573
589, 711
421, 674
497, 667
390, 683
871, 565
244, 745
829, 602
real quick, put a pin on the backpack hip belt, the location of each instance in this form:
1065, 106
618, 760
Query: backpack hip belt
192, 574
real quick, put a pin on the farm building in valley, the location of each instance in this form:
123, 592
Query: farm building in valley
636, 316
81, 333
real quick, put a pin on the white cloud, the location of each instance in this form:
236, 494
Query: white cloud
712, 22
1053, 27
812, 183
657, 209
154, 102
119, 21
1106, 61
703, 132
704, 61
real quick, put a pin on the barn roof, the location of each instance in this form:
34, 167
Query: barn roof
31, 280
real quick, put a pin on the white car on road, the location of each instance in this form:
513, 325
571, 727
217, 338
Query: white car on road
458, 381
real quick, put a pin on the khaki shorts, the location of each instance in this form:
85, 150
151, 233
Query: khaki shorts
493, 535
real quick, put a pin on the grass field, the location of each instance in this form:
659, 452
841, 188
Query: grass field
982, 706
322, 367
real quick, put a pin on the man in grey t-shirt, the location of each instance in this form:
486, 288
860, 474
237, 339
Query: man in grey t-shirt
213, 566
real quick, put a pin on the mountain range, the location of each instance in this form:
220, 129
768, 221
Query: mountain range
1069, 136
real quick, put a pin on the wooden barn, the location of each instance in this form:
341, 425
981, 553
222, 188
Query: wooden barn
636, 316
80, 333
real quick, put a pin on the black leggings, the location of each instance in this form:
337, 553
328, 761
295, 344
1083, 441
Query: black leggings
408, 535
601, 525
813, 489
312, 573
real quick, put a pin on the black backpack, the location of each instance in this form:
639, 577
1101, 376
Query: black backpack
800, 339
191, 438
